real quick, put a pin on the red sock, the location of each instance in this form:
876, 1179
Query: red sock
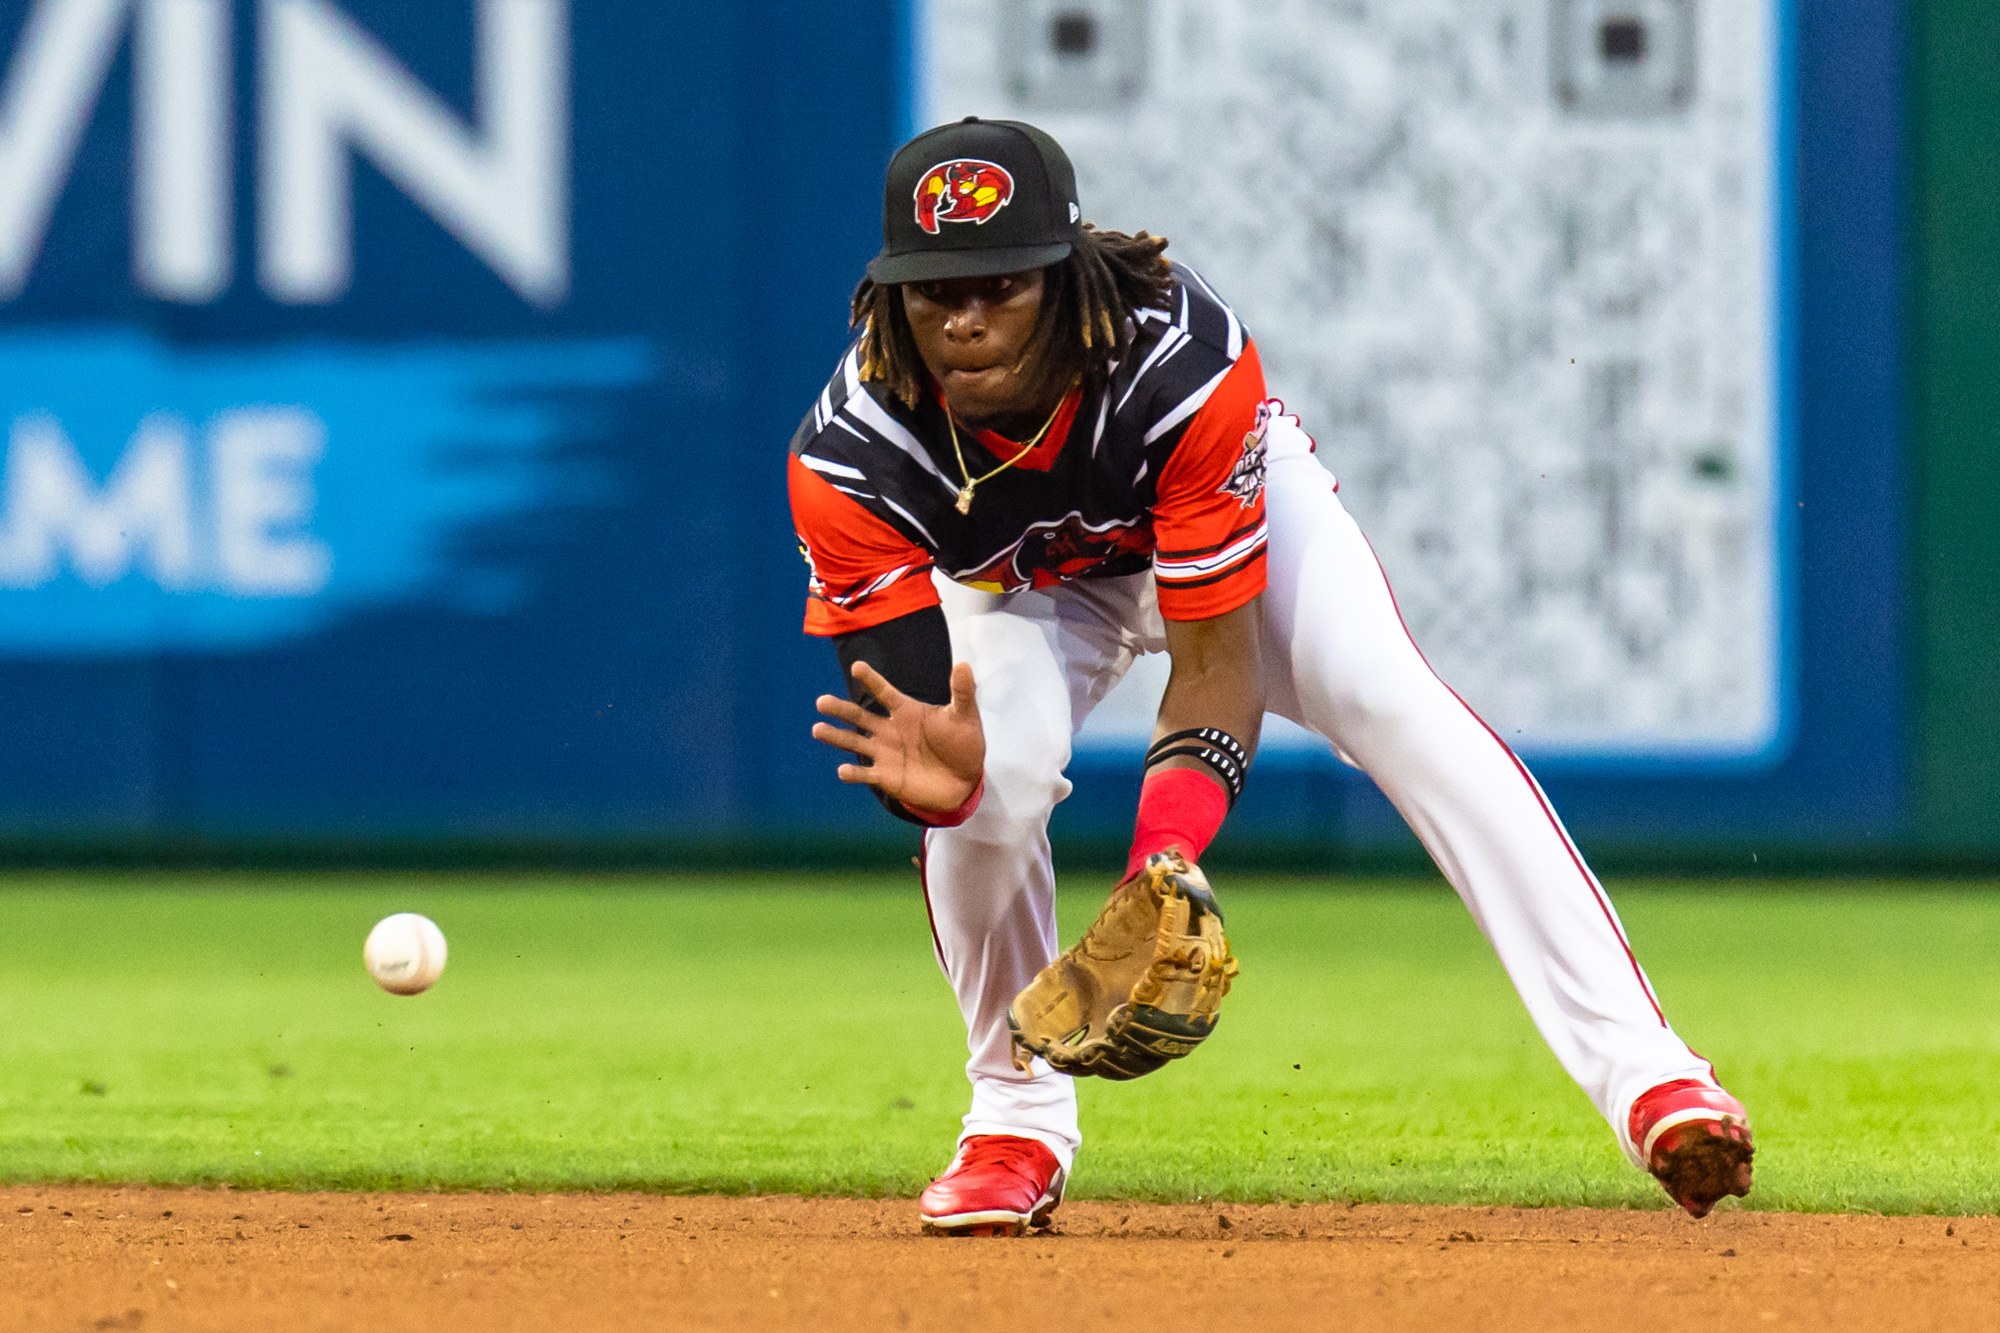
1178, 807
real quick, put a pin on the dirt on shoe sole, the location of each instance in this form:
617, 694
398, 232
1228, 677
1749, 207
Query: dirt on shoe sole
1705, 1166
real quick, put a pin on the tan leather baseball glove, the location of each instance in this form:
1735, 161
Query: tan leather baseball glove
1141, 988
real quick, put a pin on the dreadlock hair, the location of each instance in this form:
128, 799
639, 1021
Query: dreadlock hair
1084, 329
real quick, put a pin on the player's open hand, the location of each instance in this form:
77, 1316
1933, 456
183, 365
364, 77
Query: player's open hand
928, 756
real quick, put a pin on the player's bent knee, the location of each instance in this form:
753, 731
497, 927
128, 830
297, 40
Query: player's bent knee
1381, 710
1018, 802
1024, 777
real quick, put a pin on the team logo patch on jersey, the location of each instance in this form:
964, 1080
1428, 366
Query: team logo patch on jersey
1058, 550
963, 190
1246, 479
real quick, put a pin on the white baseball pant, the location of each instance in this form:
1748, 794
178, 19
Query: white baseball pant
1340, 662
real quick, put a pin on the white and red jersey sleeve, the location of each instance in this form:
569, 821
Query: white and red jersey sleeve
1208, 519
863, 571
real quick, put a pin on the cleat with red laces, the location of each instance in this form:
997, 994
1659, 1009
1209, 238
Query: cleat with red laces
1696, 1140
997, 1185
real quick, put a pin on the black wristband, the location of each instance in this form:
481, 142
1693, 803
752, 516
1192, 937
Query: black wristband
1213, 746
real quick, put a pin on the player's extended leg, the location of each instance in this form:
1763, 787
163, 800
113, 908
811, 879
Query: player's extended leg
1356, 677
1042, 660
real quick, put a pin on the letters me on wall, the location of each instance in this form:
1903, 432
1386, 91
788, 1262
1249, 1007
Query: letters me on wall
160, 495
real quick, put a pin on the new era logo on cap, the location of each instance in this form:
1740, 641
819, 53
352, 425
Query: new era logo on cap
965, 190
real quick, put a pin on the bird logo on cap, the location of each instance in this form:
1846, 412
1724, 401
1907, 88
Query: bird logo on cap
962, 190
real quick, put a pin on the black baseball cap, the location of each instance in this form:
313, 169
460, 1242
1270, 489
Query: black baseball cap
976, 198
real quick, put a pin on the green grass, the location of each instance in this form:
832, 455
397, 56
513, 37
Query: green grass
794, 1035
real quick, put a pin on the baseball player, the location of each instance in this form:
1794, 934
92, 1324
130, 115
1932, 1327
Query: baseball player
1048, 451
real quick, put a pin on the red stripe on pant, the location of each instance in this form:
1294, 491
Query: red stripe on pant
924, 879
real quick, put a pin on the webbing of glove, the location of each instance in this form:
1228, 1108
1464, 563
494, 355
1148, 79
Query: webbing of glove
1141, 987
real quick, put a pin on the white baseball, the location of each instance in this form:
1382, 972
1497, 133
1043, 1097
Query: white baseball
404, 953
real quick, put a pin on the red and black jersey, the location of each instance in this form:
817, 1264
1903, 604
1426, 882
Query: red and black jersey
1161, 469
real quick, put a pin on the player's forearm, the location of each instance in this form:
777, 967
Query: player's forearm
1206, 734
914, 653
1217, 680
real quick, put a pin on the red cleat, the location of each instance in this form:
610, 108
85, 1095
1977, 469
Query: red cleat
1696, 1140
997, 1185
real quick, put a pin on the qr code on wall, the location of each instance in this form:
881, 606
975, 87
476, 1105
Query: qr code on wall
1514, 262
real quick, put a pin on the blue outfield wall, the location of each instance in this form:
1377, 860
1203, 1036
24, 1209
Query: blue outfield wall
482, 535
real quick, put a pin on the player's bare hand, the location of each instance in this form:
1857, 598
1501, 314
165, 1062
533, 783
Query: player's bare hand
928, 756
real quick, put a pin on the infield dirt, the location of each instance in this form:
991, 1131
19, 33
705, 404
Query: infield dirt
97, 1259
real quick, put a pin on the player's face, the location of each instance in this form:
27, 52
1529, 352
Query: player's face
974, 336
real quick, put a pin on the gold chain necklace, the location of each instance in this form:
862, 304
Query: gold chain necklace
965, 491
